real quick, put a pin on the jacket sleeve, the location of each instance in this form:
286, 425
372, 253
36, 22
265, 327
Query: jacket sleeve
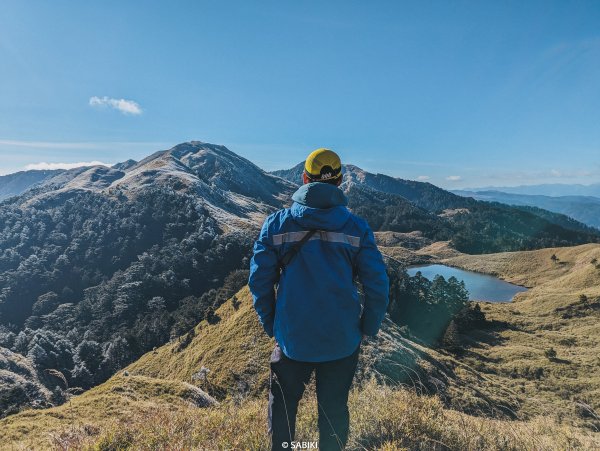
373, 277
263, 277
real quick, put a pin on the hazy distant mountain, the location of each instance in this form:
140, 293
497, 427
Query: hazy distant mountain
585, 209
550, 189
18, 182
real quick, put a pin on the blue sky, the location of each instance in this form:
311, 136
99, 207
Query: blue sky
458, 93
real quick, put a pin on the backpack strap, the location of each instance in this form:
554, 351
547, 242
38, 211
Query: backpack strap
289, 255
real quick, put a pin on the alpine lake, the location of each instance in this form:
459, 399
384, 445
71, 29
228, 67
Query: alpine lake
481, 287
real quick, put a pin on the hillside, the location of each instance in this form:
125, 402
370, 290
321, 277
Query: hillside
21, 386
155, 395
236, 351
394, 213
501, 359
585, 209
141, 413
561, 312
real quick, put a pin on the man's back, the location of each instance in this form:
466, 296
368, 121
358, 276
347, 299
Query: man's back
318, 313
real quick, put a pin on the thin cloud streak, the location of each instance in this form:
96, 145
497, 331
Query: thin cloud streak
47, 144
77, 145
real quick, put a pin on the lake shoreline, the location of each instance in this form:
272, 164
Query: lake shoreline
482, 287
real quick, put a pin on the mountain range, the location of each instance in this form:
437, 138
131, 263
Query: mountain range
99, 265
399, 205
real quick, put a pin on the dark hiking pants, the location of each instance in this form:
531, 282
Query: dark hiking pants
288, 379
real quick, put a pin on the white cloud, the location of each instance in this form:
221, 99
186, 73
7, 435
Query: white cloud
454, 178
44, 166
423, 178
122, 105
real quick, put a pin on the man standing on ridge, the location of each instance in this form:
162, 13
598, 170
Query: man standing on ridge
302, 282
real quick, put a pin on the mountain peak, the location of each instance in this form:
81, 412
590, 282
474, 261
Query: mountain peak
124, 165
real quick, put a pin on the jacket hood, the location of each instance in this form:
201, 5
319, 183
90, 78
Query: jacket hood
320, 206
320, 195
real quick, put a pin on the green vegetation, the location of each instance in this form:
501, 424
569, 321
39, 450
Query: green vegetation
425, 308
91, 279
235, 350
394, 213
99, 265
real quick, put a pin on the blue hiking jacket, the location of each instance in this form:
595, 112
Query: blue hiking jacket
314, 311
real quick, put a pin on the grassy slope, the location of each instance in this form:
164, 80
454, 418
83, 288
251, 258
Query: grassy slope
20, 383
145, 413
121, 398
236, 351
404, 247
549, 315
151, 408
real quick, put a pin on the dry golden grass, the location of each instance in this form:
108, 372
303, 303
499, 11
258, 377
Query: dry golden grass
439, 249
382, 418
119, 399
550, 315
404, 247
235, 350
533, 268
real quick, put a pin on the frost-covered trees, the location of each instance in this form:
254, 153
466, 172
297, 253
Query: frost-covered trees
89, 282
